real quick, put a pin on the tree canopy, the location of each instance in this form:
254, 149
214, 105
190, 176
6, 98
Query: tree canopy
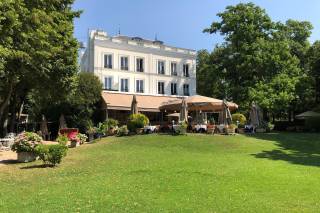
261, 60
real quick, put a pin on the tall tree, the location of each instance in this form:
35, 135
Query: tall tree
38, 50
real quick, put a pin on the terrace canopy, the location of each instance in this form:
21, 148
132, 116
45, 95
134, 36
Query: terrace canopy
197, 103
308, 114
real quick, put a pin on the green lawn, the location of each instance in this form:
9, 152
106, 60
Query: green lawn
162, 173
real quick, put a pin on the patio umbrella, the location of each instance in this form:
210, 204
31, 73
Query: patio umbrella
134, 105
225, 115
197, 103
255, 115
62, 122
183, 112
44, 127
308, 114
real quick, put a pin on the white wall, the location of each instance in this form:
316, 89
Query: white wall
150, 75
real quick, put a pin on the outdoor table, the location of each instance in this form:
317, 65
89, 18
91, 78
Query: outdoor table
150, 128
200, 127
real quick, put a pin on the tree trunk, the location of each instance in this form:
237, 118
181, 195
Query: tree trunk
5, 104
13, 114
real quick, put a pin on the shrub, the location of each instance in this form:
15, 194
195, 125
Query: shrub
62, 139
136, 121
111, 123
26, 142
122, 131
51, 154
239, 117
82, 137
101, 128
181, 129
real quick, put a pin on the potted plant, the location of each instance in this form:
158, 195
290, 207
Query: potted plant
112, 125
25, 144
82, 137
136, 123
74, 140
91, 130
231, 129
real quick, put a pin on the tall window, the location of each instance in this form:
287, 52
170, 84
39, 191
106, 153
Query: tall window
173, 68
173, 88
161, 67
124, 63
124, 85
160, 87
139, 86
186, 90
186, 70
140, 65
108, 83
108, 61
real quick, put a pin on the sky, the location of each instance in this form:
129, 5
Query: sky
180, 22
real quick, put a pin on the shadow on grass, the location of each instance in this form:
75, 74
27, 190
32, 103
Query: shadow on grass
8, 162
296, 148
38, 166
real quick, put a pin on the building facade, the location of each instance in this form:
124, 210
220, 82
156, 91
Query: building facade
134, 65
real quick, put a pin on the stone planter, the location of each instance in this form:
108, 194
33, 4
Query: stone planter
74, 144
240, 130
111, 131
139, 131
25, 157
230, 131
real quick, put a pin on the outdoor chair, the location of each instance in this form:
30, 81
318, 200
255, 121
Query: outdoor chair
211, 129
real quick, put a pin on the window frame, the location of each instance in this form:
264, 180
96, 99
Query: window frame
175, 88
121, 84
128, 62
163, 92
176, 69
186, 73
104, 83
161, 72
104, 61
143, 64
184, 91
136, 85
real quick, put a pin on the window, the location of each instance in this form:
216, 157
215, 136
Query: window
160, 87
174, 68
186, 90
139, 86
140, 65
161, 67
173, 88
108, 83
124, 85
108, 61
186, 70
124, 64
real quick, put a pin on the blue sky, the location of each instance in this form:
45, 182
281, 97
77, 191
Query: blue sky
180, 22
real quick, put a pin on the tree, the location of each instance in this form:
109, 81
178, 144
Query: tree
314, 68
257, 57
37, 50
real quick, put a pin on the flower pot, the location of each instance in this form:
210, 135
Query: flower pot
139, 131
111, 131
230, 131
74, 144
25, 157
91, 137
240, 130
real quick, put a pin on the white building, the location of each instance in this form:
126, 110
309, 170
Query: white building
153, 71
139, 66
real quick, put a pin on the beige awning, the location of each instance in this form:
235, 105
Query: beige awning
146, 103
198, 102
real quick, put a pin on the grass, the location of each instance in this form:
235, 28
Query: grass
161, 173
